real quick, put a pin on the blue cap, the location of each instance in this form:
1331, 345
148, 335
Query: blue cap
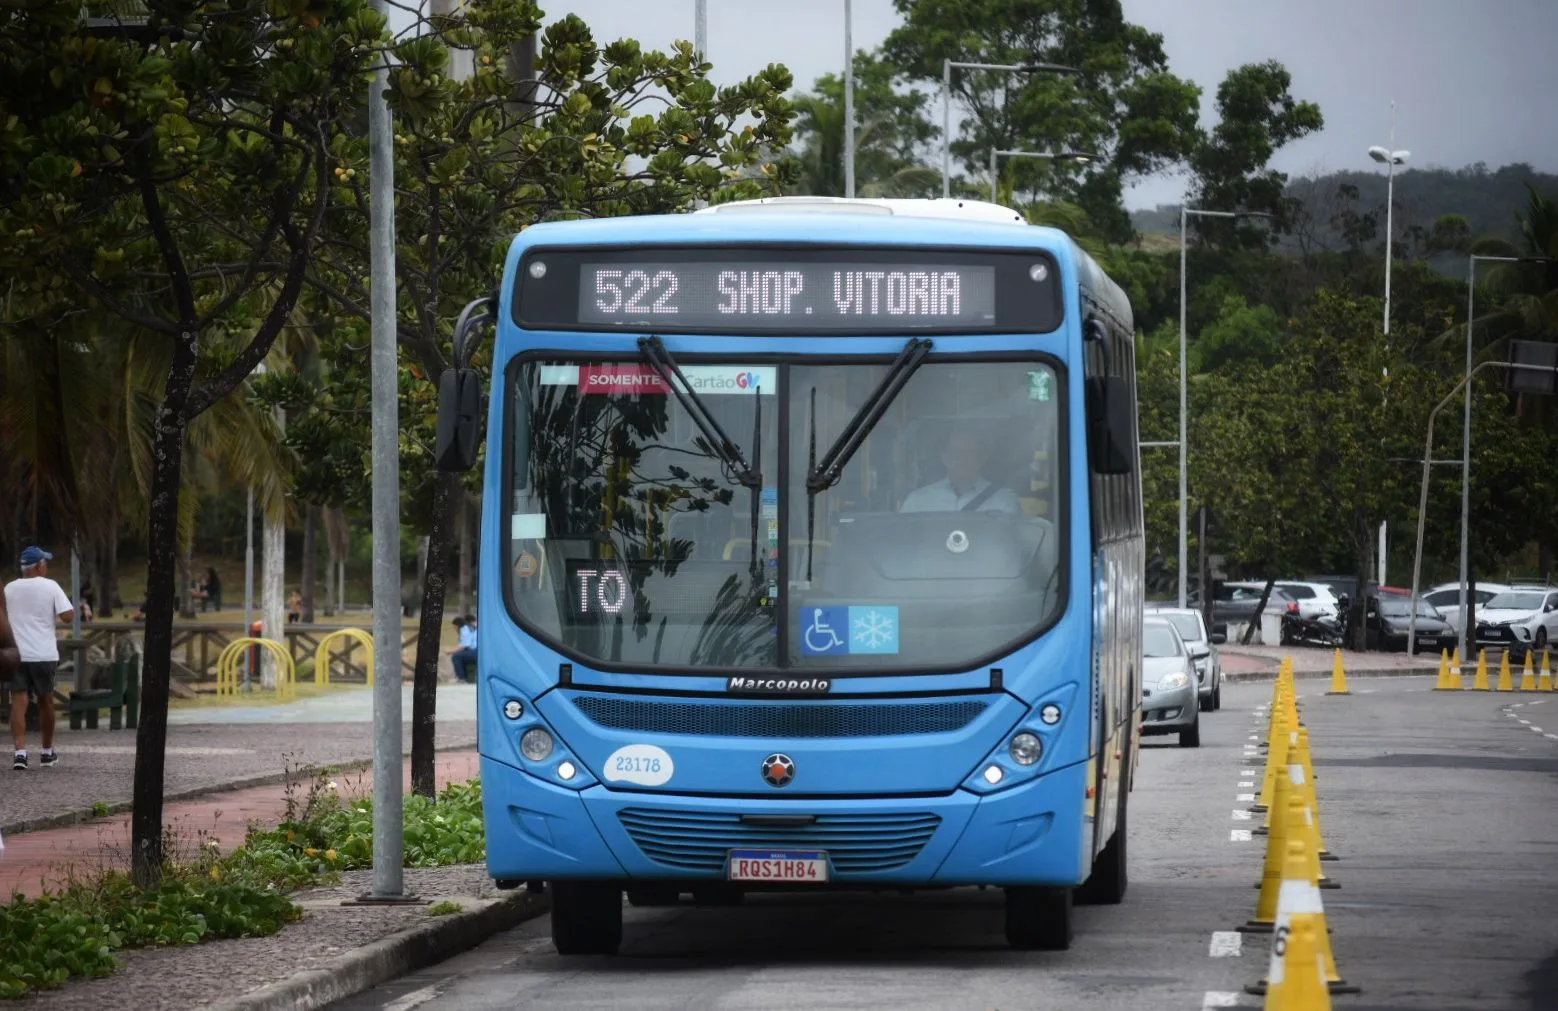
33, 555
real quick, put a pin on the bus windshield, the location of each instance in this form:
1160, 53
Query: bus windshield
633, 544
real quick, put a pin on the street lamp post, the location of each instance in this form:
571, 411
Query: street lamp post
1389, 157
1468, 609
849, 108
1184, 215
946, 102
1079, 156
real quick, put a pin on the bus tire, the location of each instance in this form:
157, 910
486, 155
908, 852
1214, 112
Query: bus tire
1105, 886
1038, 919
586, 917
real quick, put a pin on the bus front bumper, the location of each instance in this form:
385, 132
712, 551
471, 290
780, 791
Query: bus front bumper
1029, 834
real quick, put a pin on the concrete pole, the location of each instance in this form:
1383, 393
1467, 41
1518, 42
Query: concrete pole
248, 581
849, 107
700, 43
273, 553
388, 772
1183, 469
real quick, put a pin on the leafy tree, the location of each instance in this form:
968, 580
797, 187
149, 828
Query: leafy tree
1126, 106
891, 132
175, 173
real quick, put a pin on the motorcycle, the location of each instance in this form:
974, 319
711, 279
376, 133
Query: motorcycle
1298, 630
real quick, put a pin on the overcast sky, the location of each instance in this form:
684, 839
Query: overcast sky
1473, 80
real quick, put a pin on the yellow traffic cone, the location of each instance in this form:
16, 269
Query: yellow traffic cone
1481, 683
1506, 681
1544, 682
1276, 758
1306, 760
1297, 897
1455, 669
1265, 917
1443, 684
1527, 675
1338, 676
1301, 825
1296, 973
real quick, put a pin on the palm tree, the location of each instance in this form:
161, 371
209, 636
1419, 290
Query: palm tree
1525, 294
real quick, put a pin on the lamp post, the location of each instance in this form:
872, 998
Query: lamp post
1389, 157
1468, 609
1184, 215
1078, 156
946, 103
849, 108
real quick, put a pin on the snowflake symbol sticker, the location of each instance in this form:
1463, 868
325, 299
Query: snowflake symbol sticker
873, 630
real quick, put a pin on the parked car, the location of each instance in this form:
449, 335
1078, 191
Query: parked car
1235, 602
1169, 699
1446, 598
1315, 600
1191, 626
1390, 615
1519, 618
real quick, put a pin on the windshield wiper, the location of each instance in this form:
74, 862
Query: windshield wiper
724, 447
824, 474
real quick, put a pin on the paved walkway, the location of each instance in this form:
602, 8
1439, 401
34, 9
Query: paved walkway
214, 748
32, 860
1238, 658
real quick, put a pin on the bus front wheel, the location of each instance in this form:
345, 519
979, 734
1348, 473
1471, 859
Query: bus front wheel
1038, 919
586, 917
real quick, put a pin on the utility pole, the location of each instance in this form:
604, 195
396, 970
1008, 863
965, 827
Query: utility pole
700, 39
849, 107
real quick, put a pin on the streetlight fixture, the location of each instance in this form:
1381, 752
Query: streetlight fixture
1184, 214
1083, 157
946, 102
1468, 609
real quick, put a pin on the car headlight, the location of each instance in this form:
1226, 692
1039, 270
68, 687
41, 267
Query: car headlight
1171, 681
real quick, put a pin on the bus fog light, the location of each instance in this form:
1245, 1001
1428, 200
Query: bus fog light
513, 709
1050, 714
994, 775
1026, 748
565, 770
536, 745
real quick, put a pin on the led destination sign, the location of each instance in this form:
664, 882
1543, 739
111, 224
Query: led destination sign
788, 291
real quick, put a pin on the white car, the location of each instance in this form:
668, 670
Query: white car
1446, 598
1519, 618
1315, 600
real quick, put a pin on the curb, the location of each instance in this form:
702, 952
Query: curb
83, 816
391, 957
1319, 675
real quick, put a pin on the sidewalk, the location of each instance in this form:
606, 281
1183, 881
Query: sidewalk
1315, 661
33, 859
213, 749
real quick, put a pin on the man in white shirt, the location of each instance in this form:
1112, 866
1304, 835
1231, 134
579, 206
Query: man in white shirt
35, 604
964, 456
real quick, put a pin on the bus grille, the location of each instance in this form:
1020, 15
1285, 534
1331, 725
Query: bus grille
698, 840
779, 719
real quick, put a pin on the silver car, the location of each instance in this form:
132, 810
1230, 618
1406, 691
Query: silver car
1169, 694
1191, 626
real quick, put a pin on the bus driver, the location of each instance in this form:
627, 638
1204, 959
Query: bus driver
963, 489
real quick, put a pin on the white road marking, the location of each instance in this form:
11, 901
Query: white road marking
1240, 815
415, 998
1247, 772
1526, 722
1239, 835
1551, 737
1219, 998
1246, 797
1254, 738
1225, 944
1535, 730
1246, 782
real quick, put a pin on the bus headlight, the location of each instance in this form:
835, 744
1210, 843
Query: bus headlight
536, 745
1026, 748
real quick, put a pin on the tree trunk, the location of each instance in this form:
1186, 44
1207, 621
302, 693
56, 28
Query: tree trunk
310, 549
335, 545
1260, 609
162, 552
1362, 555
1544, 559
186, 573
273, 547
424, 682
111, 576
465, 552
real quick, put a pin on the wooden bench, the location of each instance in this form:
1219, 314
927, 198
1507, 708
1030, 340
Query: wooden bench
122, 698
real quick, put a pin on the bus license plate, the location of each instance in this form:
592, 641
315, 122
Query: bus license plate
806, 866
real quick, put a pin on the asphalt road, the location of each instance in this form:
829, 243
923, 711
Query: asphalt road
1443, 808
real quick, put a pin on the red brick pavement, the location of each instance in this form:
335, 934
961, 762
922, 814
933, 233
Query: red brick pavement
32, 860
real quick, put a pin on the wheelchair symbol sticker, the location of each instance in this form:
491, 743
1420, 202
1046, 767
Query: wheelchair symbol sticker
824, 630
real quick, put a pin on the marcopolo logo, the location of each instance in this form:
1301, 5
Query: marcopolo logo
779, 686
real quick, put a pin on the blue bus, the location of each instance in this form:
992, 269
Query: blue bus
812, 558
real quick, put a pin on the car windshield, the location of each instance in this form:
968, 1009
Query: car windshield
1516, 602
1397, 607
1188, 626
1159, 641
633, 543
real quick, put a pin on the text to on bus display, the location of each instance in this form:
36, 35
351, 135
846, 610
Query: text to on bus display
788, 291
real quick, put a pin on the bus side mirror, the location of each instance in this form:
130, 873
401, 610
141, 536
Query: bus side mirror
1110, 428
459, 420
